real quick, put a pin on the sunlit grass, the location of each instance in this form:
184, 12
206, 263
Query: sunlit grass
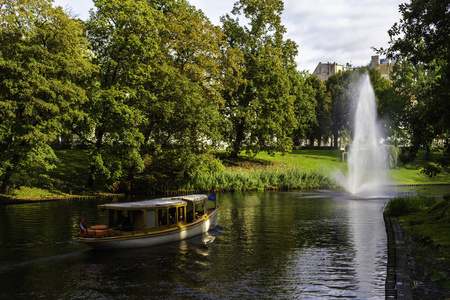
329, 162
33, 193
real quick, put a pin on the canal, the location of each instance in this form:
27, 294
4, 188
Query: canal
276, 245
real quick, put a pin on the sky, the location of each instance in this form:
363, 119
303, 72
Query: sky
341, 31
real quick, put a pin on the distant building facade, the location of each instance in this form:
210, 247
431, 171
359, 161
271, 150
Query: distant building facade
383, 65
325, 70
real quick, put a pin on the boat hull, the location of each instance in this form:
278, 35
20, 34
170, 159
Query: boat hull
154, 238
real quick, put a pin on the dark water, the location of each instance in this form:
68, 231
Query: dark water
270, 245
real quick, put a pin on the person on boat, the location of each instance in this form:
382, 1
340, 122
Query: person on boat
83, 223
125, 223
83, 226
171, 219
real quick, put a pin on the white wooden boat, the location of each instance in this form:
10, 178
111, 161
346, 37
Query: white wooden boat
152, 222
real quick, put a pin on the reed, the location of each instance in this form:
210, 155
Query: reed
405, 205
264, 179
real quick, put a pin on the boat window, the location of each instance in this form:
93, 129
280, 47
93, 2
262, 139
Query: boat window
162, 217
180, 214
151, 218
189, 212
200, 209
122, 220
172, 215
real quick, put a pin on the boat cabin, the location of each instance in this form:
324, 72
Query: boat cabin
155, 215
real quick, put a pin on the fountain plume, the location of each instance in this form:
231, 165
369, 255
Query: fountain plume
367, 161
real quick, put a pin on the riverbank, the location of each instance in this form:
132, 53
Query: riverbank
9, 200
419, 247
300, 169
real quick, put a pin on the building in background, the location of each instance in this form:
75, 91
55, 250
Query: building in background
383, 65
325, 70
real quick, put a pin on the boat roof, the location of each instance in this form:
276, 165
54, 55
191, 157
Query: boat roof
192, 198
166, 202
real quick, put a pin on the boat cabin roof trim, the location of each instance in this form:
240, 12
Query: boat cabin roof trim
155, 203
192, 198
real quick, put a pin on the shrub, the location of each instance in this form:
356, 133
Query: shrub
393, 155
405, 205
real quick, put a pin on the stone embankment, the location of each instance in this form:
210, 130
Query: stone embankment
398, 282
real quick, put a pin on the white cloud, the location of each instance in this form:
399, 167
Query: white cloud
339, 30
325, 30
79, 8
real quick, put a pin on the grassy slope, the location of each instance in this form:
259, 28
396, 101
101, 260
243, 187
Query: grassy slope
69, 177
329, 161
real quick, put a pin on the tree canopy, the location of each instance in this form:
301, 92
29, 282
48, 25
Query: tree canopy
43, 69
261, 108
420, 41
151, 87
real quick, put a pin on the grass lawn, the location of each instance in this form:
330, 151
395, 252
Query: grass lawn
69, 177
329, 161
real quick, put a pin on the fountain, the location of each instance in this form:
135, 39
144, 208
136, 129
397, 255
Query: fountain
367, 161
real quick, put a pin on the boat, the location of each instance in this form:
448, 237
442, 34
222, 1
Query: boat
152, 222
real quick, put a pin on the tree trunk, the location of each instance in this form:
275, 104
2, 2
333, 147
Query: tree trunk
91, 178
9, 172
336, 138
98, 145
7, 180
428, 153
238, 141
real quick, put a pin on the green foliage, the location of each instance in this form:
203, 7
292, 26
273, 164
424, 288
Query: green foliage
342, 87
420, 41
124, 39
266, 179
43, 67
430, 171
306, 105
260, 107
393, 154
24, 192
402, 206
319, 128
390, 105
427, 221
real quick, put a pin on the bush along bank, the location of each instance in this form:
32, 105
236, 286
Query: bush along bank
230, 181
425, 222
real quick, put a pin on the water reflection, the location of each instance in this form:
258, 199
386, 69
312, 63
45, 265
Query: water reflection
269, 245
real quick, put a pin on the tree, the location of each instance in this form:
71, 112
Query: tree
390, 106
413, 83
181, 111
43, 67
125, 40
304, 106
261, 108
342, 90
421, 38
320, 128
